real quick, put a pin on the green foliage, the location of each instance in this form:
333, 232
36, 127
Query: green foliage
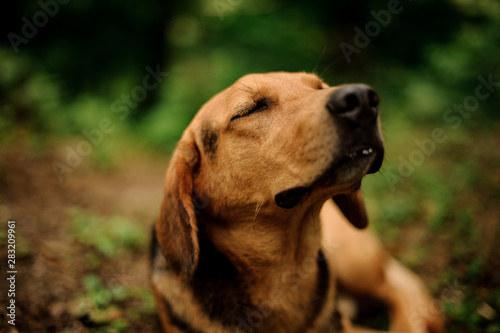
420, 70
98, 304
109, 236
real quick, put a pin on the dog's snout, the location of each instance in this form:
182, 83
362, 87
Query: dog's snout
356, 102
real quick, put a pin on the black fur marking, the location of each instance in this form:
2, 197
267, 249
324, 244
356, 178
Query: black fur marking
153, 247
334, 324
336, 318
336, 321
218, 288
154, 252
209, 138
322, 286
180, 323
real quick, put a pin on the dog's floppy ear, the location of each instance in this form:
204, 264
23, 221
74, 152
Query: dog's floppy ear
176, 228
353, 207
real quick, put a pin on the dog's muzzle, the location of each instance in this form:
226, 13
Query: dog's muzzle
354, 108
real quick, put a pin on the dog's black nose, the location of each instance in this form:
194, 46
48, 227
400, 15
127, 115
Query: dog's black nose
356, 102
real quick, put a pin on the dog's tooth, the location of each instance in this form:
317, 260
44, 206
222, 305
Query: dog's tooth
367, 151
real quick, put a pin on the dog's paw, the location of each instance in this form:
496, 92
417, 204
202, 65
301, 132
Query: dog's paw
413, 310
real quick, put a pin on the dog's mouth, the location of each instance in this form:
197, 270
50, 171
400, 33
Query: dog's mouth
346, 171
358, 162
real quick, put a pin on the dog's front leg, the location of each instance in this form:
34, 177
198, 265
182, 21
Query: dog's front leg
363, 267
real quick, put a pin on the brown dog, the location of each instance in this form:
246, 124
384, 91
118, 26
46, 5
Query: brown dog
248, 239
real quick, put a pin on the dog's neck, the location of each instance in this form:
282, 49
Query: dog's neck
266, 264
266, 241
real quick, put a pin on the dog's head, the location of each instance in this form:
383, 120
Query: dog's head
276, 141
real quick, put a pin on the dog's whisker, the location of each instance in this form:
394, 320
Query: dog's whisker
257, 210
319, 60
327, 69
246, 87
257, 85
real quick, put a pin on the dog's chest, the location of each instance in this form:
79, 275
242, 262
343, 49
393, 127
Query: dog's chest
225, 295
225, 299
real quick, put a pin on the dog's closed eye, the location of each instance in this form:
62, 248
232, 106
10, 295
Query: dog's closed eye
257, 106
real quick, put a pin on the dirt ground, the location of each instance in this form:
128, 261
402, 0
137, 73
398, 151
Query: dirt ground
50, 260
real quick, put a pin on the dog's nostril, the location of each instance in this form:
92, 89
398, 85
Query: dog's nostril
355, 102
352, 102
